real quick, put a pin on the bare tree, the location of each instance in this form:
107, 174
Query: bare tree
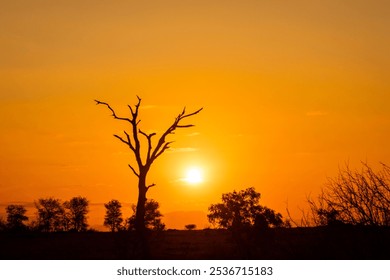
144, 162
357, 197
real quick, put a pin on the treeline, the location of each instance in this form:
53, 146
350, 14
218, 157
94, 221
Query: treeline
353, 198
115, 222
53, 215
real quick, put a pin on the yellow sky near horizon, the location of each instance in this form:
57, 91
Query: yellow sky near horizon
291, 91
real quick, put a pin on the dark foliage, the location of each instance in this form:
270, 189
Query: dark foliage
16, 217
50, 215
152, 216
190, 226
54, 216
113, 218
76, 211
242, 209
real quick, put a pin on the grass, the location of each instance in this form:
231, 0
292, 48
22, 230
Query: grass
296, 243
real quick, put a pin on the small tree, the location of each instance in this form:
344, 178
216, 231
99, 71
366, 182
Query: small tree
76, 213
144, 162
16, 217
356, 197
113, 218
51, 215
190, 226
152, 216
242, 209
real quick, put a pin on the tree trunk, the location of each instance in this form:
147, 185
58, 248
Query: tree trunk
142, 247
140, 212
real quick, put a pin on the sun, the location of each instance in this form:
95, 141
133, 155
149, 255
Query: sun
194, 175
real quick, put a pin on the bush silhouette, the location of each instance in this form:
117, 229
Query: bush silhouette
355, 197
190, 226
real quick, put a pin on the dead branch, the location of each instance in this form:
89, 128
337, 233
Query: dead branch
112, 111
135, 172
132, 139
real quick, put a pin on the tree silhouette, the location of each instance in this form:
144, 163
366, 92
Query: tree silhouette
113, 218
356, 197
190, 226
242, 209
16, 216
51, 215
152, 216
76, 213
144, 162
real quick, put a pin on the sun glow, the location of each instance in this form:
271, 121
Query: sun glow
194, 175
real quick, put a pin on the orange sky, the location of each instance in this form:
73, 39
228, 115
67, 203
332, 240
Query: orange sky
291, 91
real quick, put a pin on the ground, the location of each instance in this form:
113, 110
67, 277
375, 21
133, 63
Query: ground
295, 243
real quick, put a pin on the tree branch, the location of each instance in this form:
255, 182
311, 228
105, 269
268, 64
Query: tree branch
149, 138
129, 141
134, 123
162, 145
135, 172
132, 139
121, 139
165, 147
112, 111
184, 126
135, 113
183, 115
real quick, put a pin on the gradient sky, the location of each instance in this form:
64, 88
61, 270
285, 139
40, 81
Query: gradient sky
291, 91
